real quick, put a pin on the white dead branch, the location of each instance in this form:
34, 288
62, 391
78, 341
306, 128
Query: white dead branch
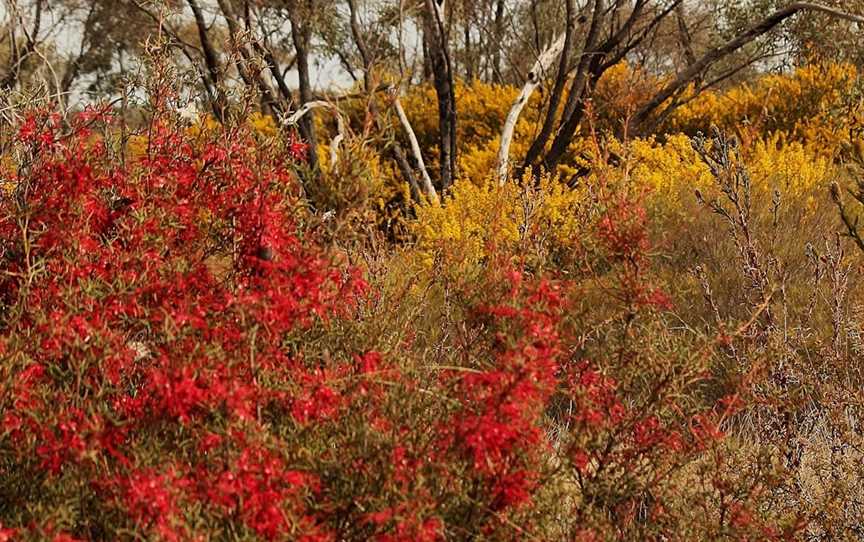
535, 77
415, 149
340, 125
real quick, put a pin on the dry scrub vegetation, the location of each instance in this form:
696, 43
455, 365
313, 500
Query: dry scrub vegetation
323, 318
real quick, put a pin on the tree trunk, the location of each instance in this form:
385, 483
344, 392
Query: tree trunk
557, 91
586, 74
20, 55
211, 63
397, 153
301, 35
497, 45
435, 37
535, 76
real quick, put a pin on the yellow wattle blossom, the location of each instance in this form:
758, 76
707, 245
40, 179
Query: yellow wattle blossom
136, 146
673, 170
479, 219
263, 125
668, 169
482, 110
483, 107
816, 104
794, 169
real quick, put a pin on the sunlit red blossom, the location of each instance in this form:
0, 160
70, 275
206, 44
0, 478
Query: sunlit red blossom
380, 517
411, 529
209, 442
647, 432
368, 362
581, 460
498, 431
705, 430
151, 498
657, 298
617, 412
592, 417
404, 466
514, 489
7, 535
674, 442
297, 149
261, 489
320, 403
62, 442
586, 535
39, 128
27, 130
740, 516
176, 301
162, 343
623, 230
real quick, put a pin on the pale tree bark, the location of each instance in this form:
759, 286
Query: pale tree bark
560, 82
341, 130
535, 77
595, 61
597, 57
428, 187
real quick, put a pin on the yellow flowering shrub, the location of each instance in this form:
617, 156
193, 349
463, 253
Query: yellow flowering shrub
8, 167
362, 184
478, 161
263, 125
482, 109
479, 219
668, 170
816, 103
672, 170
360, 181
795, 169
136, 147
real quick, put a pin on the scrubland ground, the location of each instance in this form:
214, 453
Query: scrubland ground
662, 339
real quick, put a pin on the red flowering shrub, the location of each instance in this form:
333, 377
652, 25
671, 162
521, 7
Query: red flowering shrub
181, 359
145, 312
